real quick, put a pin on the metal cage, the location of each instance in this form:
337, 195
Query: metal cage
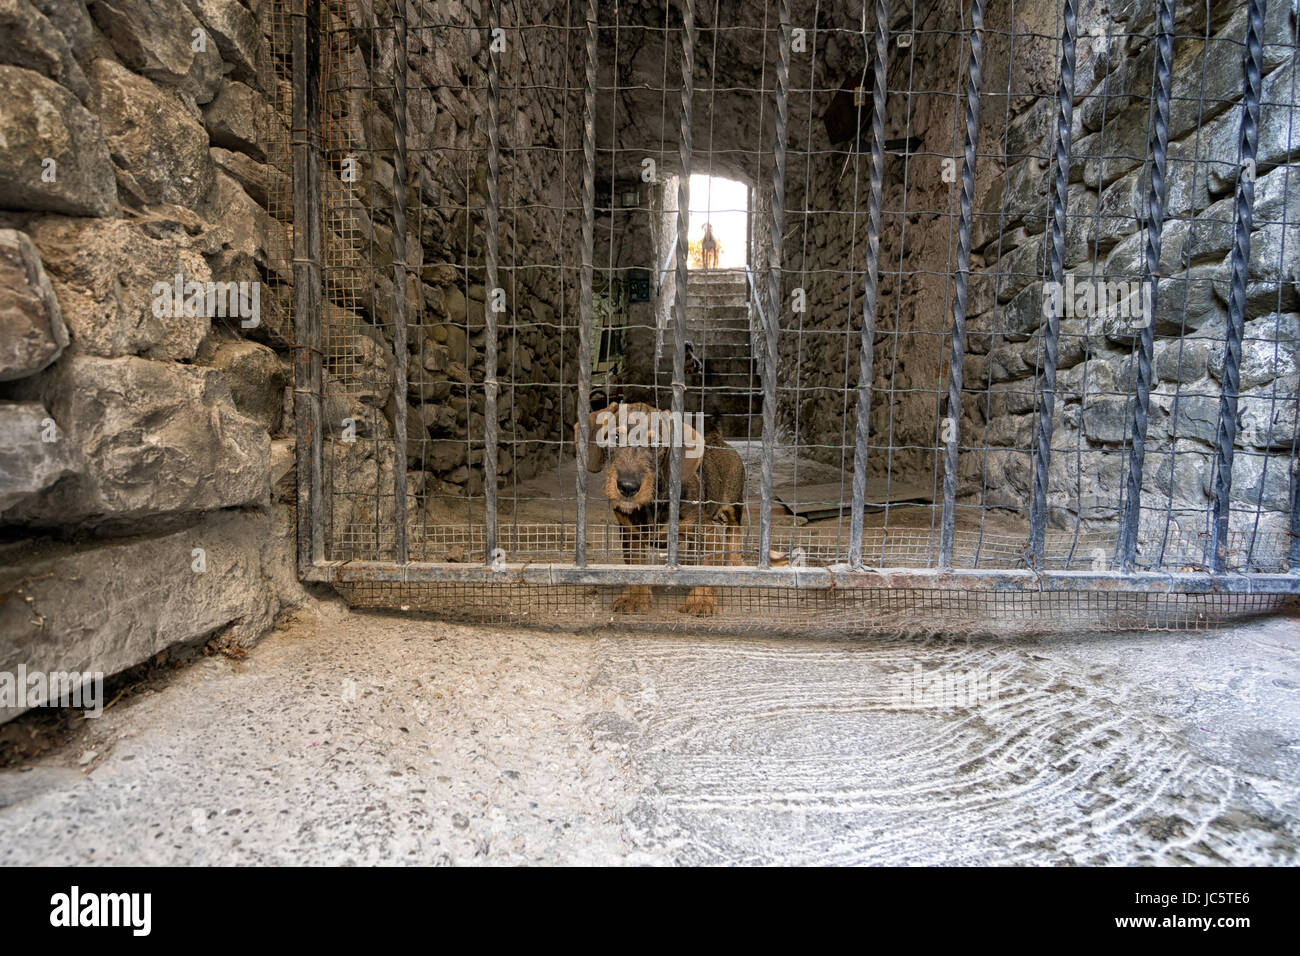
465, 191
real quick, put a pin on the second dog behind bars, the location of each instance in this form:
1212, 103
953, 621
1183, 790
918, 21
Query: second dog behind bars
632, 443
709, 248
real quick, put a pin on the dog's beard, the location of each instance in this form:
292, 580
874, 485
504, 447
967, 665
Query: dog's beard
643, 497
620, 502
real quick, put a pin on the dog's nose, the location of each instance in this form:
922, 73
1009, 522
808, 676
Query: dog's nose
629, 486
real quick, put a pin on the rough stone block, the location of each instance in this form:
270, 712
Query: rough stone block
81, 181
103, 273
28, 39
34, 454
161, 149
154, 438
32, 333
113, 604
156, 38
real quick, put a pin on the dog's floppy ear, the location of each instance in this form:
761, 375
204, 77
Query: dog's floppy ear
691, 441
595, 452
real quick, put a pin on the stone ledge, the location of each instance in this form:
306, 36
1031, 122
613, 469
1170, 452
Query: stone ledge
110, 605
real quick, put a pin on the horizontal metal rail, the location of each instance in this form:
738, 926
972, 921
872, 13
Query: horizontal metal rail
828, 578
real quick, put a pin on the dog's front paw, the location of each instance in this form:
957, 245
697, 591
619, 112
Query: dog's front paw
701, 601
634, 599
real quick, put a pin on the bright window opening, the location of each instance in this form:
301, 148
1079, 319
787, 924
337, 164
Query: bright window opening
721, 205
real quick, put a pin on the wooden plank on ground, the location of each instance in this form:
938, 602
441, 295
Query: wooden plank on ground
827, 500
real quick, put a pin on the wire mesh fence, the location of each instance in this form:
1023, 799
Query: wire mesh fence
786, 610
1008, 296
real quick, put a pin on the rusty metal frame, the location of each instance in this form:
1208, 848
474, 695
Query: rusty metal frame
828, 578
305, 20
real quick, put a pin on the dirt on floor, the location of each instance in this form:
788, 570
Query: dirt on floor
351, 737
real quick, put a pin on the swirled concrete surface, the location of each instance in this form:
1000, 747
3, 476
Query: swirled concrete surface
369, 738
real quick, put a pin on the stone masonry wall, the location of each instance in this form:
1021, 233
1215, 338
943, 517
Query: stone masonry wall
1104, 238
1103, 244
142, 447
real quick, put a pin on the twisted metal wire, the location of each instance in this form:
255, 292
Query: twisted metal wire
1295, 443
772, 321
679, 291
958, 354
1150, 280
1242, 219
866, 354
305, 24
399, 284
585, 280
1060, 200
490, 316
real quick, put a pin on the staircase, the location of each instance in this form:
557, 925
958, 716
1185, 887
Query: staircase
718, 330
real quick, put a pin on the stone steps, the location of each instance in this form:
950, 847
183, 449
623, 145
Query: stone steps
715, 343
707, 300
719, 314
717, 326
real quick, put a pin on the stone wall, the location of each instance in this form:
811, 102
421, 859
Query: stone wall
1107, 205
1103, 244
826, 256
143, 447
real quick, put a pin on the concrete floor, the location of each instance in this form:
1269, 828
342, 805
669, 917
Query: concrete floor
372, 738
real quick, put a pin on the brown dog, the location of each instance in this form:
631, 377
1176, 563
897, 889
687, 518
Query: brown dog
636, 485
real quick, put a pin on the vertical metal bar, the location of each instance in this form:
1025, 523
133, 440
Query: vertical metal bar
489, 314
866, 351
1295, 440
1242, 218
684, 148
306, 26
1295, 501
1150, 278
958, 354
584, 293
772, 316
749, 225
399, 282
1051, 337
